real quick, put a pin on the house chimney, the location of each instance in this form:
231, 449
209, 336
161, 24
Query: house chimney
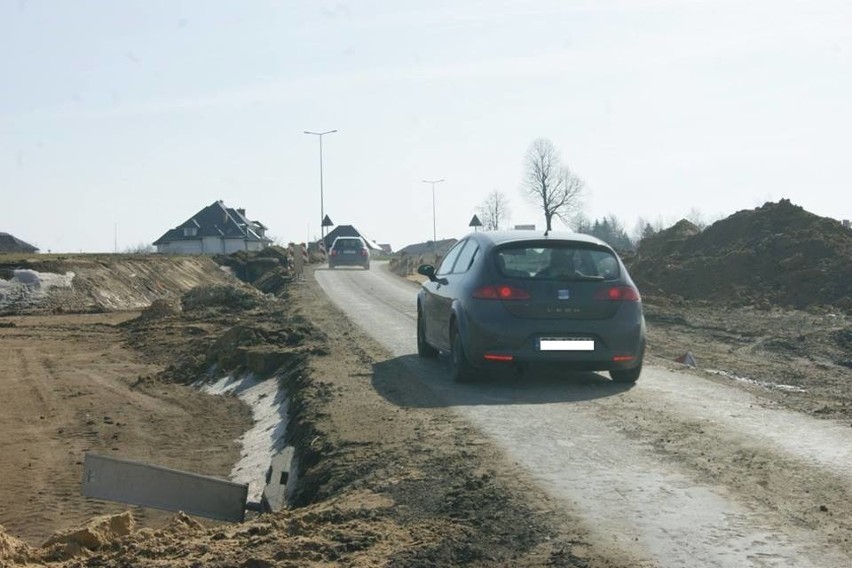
241, 212
846, 223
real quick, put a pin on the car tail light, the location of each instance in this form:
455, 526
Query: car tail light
498, 357
502, 292
623, 358
618, 294
363, 252
334, 253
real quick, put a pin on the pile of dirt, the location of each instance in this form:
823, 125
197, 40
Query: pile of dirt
269, 270
778, 254
99, 283
12, 550
161, 308
223, 328
98, 533
221, 296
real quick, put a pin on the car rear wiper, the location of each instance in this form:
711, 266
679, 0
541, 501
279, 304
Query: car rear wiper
585, 278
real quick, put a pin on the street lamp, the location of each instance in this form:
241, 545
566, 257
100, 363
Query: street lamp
433, 182
322, 208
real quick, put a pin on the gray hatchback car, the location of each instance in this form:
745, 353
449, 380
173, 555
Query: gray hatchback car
523, 298
349, 251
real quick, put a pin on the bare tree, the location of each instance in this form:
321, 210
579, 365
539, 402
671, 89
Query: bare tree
551, 185
609, 229
494, 210
696, 217
141, 248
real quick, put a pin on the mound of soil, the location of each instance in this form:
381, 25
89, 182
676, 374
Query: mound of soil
99, 283
269, 270
221, 296
778, 254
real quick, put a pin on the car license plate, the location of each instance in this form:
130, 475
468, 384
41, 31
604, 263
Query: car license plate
566, 344
349, 252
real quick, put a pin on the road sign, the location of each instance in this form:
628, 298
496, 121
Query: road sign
137, 483
326, 222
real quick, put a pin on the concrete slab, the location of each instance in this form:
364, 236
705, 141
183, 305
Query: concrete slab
154, 486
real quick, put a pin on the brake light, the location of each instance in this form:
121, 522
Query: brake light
618, 294
498, 357
623, 358
363, 252
335, 252
502, 292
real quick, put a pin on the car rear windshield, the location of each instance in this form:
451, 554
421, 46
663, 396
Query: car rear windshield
557, 261
348, 244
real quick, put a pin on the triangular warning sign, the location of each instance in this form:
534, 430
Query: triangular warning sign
326, 222
475, 222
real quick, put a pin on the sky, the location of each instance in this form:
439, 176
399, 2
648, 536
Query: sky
120, 120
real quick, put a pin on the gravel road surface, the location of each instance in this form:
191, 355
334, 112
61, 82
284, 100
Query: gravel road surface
675, 471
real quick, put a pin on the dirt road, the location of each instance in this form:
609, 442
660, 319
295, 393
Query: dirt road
399, 466
679, 470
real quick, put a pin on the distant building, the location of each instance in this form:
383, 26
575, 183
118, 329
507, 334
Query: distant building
9, 243
216, 229
348, 231
429, 247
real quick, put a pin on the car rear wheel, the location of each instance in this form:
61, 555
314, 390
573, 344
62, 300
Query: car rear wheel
461, 370
423, 348
626, 375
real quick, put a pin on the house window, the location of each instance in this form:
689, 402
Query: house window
190, 231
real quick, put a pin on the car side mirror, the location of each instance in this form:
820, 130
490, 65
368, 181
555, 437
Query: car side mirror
428, 271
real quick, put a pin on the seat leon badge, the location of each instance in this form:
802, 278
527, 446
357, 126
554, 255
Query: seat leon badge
563, 294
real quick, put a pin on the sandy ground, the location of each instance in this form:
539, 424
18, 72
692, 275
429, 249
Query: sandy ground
70, 385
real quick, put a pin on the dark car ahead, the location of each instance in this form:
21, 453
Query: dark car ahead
349, 251
522, 298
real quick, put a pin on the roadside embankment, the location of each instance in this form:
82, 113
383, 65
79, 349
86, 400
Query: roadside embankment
99, 283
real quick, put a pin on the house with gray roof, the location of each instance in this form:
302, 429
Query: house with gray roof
349, 231
10, 243
216, 229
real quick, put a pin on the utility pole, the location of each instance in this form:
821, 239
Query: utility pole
434, 231
322, 206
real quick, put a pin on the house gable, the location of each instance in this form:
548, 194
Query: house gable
347, 231
216, 228
10, 243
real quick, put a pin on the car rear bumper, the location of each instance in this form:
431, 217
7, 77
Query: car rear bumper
618, 342
346, 260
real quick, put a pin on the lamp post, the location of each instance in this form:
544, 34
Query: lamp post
322, 207
434, 232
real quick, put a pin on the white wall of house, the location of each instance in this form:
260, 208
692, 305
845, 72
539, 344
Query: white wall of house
233, 245
213, 245
181, 247
210, 245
